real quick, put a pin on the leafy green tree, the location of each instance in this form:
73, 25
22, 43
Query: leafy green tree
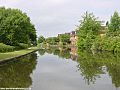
52, 40
114, 26
41, 39
65, 38
88, 30
56, 39
16, 27
19, 70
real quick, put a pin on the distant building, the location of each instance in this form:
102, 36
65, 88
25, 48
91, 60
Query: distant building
104, 28
73, 38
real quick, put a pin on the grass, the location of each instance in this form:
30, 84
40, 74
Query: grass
16, 53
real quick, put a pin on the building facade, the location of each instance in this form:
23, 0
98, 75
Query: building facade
73, 38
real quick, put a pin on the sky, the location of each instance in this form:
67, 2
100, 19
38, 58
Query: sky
53, 17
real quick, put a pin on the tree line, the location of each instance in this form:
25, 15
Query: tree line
62, 39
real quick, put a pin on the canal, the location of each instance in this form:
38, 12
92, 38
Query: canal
62, 69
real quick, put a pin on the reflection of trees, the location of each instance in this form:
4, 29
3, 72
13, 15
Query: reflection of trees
90, 69
61, 52
56, 52
17, 73
91, 66
114, 72
41, 51
65, 53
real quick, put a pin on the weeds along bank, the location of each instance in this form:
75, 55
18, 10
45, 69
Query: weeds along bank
16, 30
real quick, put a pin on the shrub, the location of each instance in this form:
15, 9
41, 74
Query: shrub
21, 46
6, 48
107, 44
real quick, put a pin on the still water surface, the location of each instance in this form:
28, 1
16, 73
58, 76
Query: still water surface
63, 69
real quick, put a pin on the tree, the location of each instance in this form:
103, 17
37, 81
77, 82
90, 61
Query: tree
114, 26
52, 40
65, 38
88, 30
41, 39
16, 27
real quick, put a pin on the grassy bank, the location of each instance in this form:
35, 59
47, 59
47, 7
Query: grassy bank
4, 56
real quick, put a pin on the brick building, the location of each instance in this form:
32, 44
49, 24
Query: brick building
73, 38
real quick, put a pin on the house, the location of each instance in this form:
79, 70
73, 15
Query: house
73, 38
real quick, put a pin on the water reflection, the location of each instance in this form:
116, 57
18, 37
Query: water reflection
17, 73
91, 66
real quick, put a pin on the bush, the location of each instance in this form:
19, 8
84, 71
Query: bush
6, 48
107, 44
21, 46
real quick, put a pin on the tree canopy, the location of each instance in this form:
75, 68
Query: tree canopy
65, 38
41, 39
114, 26
52, 40
88, 29
16, 27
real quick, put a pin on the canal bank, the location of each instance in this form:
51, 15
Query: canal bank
5, 57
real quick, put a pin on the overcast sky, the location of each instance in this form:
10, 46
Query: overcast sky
52, 17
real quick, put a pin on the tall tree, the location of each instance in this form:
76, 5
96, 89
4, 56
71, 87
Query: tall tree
41, 39
88, 30
114, 26
65, 38
16, 27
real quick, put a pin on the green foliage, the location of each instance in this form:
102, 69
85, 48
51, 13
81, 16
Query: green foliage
88, 30
41, 51
20, 70
89, 24
52, 40
65, 38
93, 65
111, 42
21, 46
15, 27
41, 39
62, 52
107, 44
114, 26
89, 37
6, 48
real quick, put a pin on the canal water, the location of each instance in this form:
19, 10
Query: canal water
62, 69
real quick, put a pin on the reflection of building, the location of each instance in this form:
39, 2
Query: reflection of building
73, 53
73, 38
